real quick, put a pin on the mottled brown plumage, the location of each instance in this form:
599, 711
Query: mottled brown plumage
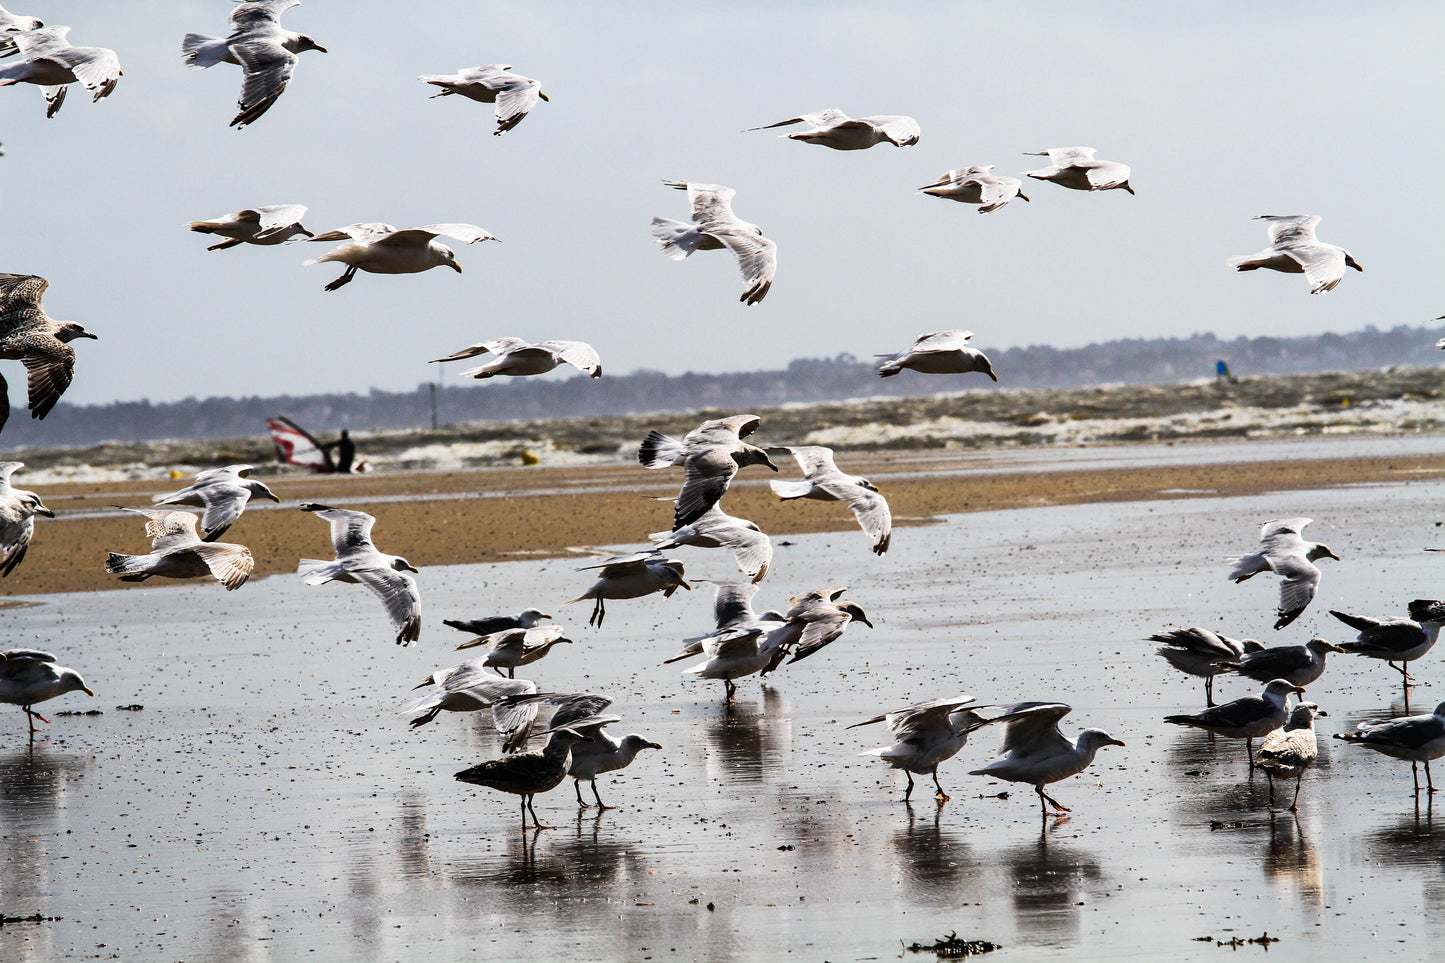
29, 335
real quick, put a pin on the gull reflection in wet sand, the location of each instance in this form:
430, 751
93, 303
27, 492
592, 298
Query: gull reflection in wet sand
932, 862
33, 785
579, 863
748, 741
1049, 883
1291, 860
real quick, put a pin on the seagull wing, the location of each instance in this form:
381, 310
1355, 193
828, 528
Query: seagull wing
248, 15
515, 98
350, 531
710, 202
1298, 581
900, 131
869, 506
398, 592
50, 367
830, 117
468, 233
757, 259
579, 354
499, 346
1032, 728
706, 475
224, 504
941, 341
268, 67
231, 564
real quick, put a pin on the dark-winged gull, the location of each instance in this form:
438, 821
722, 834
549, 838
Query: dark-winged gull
261, 48
1076, 168
1285, 552
518, 358
975, 185
178, 552
513, 94
942, 352
357, 560
18, 509
469, 687
631, 577
382, 249
270, 224
1294, 249
524, 619
511, 648
28, 676
823, 481
835, 129
53, 63
1199, 652
223, 493
926, 734
1249, 718
710, 455
1300, 664
715, 528
1291, 750
1394, 639
1414, 738
1036, 752
581, 712
527, 773
40, 342
817, 619
714, 227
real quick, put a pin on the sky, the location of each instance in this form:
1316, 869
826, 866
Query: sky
1223, 110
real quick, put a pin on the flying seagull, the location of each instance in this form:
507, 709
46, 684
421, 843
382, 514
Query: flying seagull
262, 49
1284, 552
715, 528
513, 94
823, 481
382, 249
18, 509
1076, 168
975, 185
1294, 249
943, 352
178, 552
270, 224
52, 63
29, 335
631, 577
357, 560
711, 455
510, 648
12, 24
835, 129
223, 493
524, 619
517, 358
714, 226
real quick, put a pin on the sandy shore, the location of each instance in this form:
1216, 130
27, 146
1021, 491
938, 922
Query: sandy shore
444, 518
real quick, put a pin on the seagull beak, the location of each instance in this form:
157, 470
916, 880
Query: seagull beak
1299, 689
273, 496
684, 584
456, 267
88, 691
320, 49
990, 371
1116, 742
547, 616
93, 337
1022, 196
1321, 712
1336, 648
413, 568
549, 100
653, 745
1334, 556
1126, 187
42, 510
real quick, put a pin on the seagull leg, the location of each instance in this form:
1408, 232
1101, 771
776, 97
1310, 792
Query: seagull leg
498, 669
598, 611
1209, 691
730, 688
344, 279
942, 796
909, 791
577, 785
1294, 803
524, 815
600, 804
1429, 783
511, 672
1270, 776
1045, 798
536, 823
1415, 774
1249, 749
32, 715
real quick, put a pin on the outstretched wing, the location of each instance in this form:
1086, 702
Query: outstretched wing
579, 354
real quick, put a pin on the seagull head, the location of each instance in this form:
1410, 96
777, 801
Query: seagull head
1320, 646
70, 330
71, 681
402, 565
1095, 739
449, 258
31, 502
1320, 551
259, 490
854, 612
304, 42
865, 483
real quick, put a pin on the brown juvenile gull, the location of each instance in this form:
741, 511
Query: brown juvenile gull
178, 552
943, 352
1248, 718
260, 47
1396, 640
927, 733
518, 358
823, 481
631, 577
53, 63
382, 249
1300, 664
1036, 752
29, 335
1294, 249
1200, 652
513, 94
715, 528
975, 185
835, 129
270, 224
357, 560
469, 687
223, 493
12, 24
524, 619
1290, 751
1416, 738
510, 648
581, 712
714, 226
527, 773
28, 676
711, 455
1076, 168
1288, 555
18, 509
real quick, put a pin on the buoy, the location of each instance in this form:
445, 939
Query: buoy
530, 459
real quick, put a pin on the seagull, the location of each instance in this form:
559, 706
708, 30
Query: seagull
223, 493
835, 129
1200, 652
975, 185
927, 734
382, 249
714, 226
818, 619
260, 47
527, 773
1416, 738
271, 224
581, 712
824, 482
1294, 249
943, 352
715, 528
631, 577
1300, 664
469, 687
357, 560
1288, 555
743, 643
524, 619
1248, 718
1396, 640
1037, 753
29, 335
510, 648
12, 24
28, 676
1290, 751
178, 552
52, 63
513, 94
711, 455
517, 358
1075, 168
18, 509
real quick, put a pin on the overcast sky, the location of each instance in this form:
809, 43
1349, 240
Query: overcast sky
1223, 111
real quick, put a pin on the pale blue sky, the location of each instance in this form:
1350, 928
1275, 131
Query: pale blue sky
1223, 111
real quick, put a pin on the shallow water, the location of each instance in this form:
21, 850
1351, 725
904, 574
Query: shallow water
267, 802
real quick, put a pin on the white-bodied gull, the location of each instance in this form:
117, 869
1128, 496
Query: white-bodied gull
1294, 249
28, 676
18, 509
223, 493
263, 50
178, 552
1076, 168
835, 129
823, 481
1249, 718
714, 227
382, 249
52, 63
265, 225
357, 560
1035, 752
975, 185
631, 577
942, 352
926, 734
518, 358
1285, 552
715, 528
513, 94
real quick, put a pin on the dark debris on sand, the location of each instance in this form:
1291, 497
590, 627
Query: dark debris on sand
951, 947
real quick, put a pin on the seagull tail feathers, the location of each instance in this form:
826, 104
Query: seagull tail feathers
313, 571
117, 564
200, 51
660, 451
676, 239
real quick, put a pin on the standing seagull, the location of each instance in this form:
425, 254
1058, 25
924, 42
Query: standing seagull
715, 528
357, 560
1037, 753
927, 734
975, 185
178, 552
1248, 718
1288, 555
1300, 664
580, 712
510, 648
1416, 738
33, 337
12, 24
716, 227
1290, 751
223, 493
823, 481
1200, 652
743, 643
711, 455
1294, 249
1397, 640
943, 352
518, 358
631, 577
18, 509
382, 249
835, 129
1075, 168
260, 47
527, 773
52, 63
513, 94
266, 225
28, 676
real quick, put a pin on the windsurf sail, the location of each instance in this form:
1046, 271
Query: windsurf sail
296, 446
